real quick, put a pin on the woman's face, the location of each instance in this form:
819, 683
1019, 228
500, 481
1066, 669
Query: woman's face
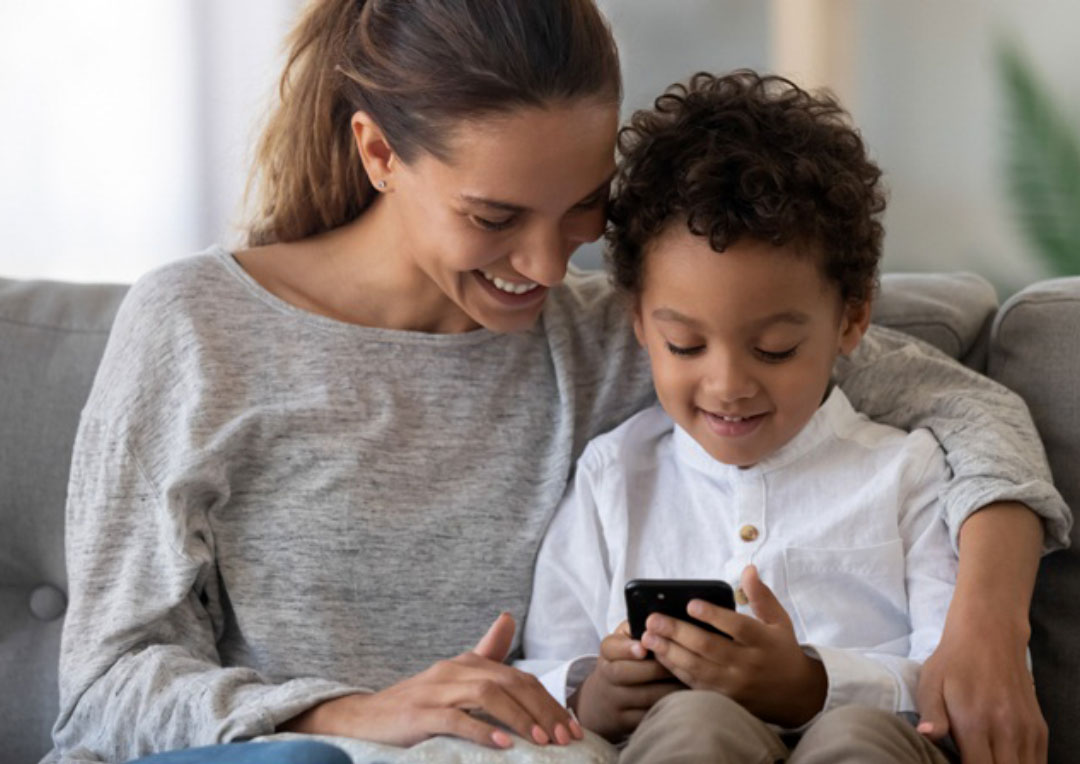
494, 225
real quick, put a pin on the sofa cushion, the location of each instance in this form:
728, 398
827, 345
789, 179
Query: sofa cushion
1034, 349
951, 311
51, 339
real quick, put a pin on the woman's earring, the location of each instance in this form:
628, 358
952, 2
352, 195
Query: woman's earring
381, 185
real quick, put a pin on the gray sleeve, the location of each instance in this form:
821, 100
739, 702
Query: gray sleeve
139, 669
991, 444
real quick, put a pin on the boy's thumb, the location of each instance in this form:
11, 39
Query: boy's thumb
495, 645
762, 600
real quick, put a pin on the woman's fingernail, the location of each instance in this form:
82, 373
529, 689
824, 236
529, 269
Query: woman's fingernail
638, 650
562, 735
576, 729
501, 739
695, 608
539, 735
925, 728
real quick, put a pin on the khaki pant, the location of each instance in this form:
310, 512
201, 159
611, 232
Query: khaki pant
698, 726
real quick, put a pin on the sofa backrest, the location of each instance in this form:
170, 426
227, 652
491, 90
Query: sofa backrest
51, 338
1035, 350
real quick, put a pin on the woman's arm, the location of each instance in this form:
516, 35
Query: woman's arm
1002, 511
977, 685
991, 444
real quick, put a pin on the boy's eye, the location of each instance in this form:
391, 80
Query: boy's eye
491, 225
777, 356
684, 351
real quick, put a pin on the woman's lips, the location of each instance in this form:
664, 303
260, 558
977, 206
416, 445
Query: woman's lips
509, 299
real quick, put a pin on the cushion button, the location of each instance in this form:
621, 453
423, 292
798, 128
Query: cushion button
47, 603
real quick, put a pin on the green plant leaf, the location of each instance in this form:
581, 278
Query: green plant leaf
1043, 165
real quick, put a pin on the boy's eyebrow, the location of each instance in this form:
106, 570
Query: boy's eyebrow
670, 314
508, 207
781, 317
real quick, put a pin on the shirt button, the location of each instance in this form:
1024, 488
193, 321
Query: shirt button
748, 533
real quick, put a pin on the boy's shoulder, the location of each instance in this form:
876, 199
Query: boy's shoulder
917, 452
638, 440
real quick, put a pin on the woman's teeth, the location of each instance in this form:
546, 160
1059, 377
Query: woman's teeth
508, 286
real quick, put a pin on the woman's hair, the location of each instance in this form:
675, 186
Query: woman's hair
416, 67
747, 155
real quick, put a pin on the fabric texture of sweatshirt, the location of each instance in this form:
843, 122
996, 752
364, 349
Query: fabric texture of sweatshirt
269, 508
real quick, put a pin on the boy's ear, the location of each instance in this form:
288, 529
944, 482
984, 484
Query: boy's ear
853, 325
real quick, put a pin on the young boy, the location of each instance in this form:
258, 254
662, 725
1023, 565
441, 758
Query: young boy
746, 236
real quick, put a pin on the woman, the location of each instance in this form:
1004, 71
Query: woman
309, 470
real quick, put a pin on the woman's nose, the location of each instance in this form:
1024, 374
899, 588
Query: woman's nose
544, 257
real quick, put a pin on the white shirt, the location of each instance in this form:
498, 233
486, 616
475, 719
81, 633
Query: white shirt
849, 536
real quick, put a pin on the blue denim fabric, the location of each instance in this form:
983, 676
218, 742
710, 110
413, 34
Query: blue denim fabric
286, 752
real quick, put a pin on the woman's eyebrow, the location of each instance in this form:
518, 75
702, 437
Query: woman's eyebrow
509, 207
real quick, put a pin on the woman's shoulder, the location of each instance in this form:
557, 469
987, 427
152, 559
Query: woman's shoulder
165, 316
178, 285
586, 299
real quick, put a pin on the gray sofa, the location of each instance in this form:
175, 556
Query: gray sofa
52, 335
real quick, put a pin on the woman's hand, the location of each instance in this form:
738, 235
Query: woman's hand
438, 701
762, 666
622, 688
976, 685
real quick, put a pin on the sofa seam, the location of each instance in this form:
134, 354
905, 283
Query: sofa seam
55, 327
901, 327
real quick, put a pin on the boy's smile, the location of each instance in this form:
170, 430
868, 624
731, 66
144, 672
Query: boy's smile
742, 342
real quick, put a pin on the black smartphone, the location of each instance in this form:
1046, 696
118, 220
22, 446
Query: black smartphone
670, 597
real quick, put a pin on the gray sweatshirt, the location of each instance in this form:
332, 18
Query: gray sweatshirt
270, 508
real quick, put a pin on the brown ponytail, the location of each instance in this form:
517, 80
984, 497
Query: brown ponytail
416, 66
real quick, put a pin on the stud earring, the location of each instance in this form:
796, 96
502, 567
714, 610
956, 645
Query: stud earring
381, 185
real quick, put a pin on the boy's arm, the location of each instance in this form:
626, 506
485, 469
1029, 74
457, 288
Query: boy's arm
571, 583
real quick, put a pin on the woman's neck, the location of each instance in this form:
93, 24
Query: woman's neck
361, 273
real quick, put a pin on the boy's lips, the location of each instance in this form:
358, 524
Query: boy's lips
732, 426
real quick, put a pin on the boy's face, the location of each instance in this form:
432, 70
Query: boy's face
741, 343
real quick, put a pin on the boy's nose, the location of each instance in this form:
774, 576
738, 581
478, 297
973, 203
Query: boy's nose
728, 382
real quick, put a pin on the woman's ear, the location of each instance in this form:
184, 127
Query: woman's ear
853, 325
376, 154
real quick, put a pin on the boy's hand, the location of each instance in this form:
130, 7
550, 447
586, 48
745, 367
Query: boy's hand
622, 688
761, 666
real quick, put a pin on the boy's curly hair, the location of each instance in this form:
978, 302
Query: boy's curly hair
748, 155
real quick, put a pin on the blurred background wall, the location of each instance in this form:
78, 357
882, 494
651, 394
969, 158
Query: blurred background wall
127, 125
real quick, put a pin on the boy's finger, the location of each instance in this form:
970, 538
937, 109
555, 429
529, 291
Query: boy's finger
629, 673
619, 647
762, 600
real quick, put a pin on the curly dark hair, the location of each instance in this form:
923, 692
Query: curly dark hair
748, 155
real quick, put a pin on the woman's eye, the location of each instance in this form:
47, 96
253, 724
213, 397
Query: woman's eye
491, 225
684, 351
776, 356
595, 200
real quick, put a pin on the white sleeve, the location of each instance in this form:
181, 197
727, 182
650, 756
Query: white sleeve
571, 585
